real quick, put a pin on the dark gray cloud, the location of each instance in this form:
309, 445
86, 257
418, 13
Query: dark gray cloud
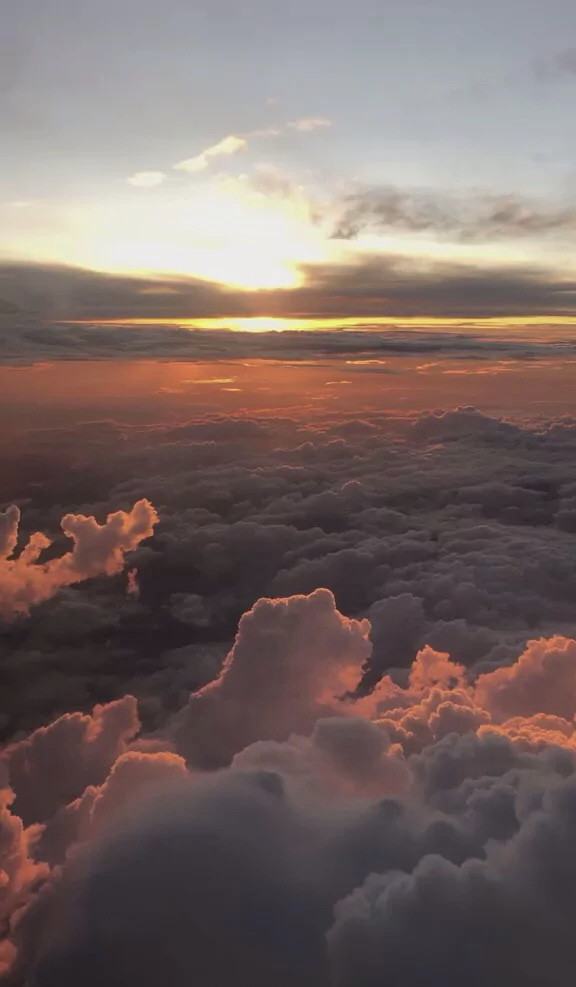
457, 914
466, 218
22, 343
297, 793
402, 519
244, 878
66, 292
34, 297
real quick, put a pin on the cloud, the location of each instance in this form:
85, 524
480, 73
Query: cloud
269, 684
308, 124
227, 146
365, 287
276, 940
234, 143
471, 218
56, 763
393, 763
132, 774
542, 681
339, 838
458, 912
9, 521
400, 517
557, 67
98, 549
344, 754
265, 132
20, 871
147, 179
396, 286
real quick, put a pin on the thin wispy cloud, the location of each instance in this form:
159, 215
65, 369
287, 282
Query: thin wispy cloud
225, 148
472, 217
265, 132
234, 144
560, 66
147, 179
308, 124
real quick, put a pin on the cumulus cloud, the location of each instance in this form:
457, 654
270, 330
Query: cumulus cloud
56, 763
292, 660
466, 918
347, 823
132, 775
9, 521
98, 549
532, 701
422, 540
19, 871
367, 770
225, 148
542, 681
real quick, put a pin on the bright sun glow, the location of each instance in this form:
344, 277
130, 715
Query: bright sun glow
227, 232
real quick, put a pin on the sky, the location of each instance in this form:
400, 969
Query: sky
287, 493
272, 146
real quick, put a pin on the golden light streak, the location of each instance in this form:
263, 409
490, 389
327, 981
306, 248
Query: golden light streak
264, 323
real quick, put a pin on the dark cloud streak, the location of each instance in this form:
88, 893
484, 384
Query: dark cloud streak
473, 218
33, 298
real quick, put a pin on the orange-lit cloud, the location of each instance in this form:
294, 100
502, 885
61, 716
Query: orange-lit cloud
334, 801
99, 549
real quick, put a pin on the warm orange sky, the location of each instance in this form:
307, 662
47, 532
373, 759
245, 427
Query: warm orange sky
150, 391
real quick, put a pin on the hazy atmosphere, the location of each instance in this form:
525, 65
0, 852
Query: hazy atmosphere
287, 494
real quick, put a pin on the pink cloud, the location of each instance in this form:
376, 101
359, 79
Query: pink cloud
99, 549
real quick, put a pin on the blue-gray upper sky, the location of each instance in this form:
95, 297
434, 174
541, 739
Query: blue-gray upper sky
113, 116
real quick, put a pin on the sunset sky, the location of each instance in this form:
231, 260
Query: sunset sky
404, 158
287, 493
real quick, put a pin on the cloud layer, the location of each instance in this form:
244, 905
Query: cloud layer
338, 720
316, 857
450, 529
363, 288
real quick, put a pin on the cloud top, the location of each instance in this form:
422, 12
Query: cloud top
98, 549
